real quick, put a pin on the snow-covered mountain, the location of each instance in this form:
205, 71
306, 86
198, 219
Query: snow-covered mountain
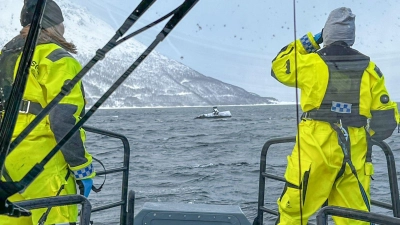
158, 81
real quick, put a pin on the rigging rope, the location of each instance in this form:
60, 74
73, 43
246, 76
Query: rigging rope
297, 111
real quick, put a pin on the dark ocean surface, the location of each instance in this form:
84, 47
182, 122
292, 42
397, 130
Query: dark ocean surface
176, 158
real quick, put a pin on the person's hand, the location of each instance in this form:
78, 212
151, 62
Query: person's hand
318, 37
85, 186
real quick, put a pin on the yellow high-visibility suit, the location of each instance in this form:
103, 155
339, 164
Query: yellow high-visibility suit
321, 174
51, 68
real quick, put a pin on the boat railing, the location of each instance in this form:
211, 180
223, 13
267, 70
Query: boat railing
354, 214
60, 201
123, 202
131, 208
126, 217
394, 206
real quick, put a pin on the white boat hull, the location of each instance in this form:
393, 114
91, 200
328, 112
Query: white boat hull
222, 114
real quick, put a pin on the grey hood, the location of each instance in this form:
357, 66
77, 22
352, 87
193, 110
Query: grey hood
340, 26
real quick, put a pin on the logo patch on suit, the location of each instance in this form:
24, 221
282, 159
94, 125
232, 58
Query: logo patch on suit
341, 107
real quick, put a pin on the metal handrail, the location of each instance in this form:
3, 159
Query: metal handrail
124, 169
131, 208
86, 209
261, 192
322, 218
394, 188
263, 166
60, 201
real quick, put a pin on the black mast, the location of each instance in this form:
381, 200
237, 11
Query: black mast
12, 107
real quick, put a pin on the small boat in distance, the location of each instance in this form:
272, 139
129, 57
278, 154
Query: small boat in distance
215, 114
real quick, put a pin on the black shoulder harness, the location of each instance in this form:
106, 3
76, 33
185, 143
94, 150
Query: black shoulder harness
8, 59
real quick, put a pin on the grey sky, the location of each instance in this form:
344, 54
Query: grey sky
235, 40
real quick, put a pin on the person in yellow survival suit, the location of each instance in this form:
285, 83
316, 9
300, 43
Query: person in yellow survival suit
52, 66
345, 101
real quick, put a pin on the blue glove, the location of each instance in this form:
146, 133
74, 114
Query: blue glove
85, 186
318, 37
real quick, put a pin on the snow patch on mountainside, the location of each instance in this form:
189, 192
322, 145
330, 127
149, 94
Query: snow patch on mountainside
158, 81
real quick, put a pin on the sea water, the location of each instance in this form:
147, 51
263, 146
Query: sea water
176, 158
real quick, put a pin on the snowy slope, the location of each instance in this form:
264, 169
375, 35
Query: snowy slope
158, 81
